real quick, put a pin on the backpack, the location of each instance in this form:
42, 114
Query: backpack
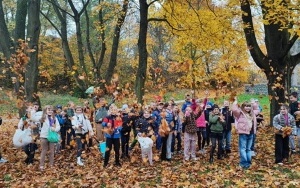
100, 114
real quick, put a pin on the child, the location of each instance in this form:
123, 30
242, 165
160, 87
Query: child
217, 123
82, 126
146, 144
49, 122
190, 132
281, 121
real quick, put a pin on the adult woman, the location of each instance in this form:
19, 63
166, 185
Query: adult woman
280, 121
246, 127
49, 123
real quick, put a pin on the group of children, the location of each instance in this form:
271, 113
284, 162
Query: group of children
157, 125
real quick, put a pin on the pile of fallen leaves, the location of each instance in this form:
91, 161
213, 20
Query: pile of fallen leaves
286, 131
136, 172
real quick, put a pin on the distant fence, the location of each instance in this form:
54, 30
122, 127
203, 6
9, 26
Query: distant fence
262, 89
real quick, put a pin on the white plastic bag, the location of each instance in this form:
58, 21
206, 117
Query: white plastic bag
145, 142
22, 138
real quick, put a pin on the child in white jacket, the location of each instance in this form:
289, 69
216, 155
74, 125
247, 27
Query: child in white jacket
146, 144
82, 126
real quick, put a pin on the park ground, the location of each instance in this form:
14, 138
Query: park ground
137, 173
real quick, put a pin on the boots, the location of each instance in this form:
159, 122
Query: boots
79, 162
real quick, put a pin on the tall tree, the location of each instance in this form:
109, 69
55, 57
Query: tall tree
143, 54
116, 39
6, 44
277, 63
33, 34
21, 15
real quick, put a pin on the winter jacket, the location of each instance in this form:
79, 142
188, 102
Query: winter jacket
185, 104
216, 125
78, 120
127, 123
228, 116
200, 121
189, 124
116, 129
170, 119
46, 127
295, 107
242, 126
279, 122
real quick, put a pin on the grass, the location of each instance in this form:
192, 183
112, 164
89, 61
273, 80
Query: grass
8, 101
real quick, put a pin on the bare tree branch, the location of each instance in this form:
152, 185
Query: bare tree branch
165, 20
57, 5
152, 2
53, 25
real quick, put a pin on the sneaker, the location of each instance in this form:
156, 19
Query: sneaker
280, 163
2, 160
194, 158
293, 151
253, 154
41, 168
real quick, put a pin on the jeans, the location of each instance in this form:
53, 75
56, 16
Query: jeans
214, 138
245, 142
158, 142
178, 138
169, 143
292, 140
227, 140
253, 142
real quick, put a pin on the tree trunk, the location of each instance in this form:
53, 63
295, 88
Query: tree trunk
20, 20
143, 54
33, 33
6, 44
115, 45
103, 46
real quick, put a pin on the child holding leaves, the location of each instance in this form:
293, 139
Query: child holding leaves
284, 124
